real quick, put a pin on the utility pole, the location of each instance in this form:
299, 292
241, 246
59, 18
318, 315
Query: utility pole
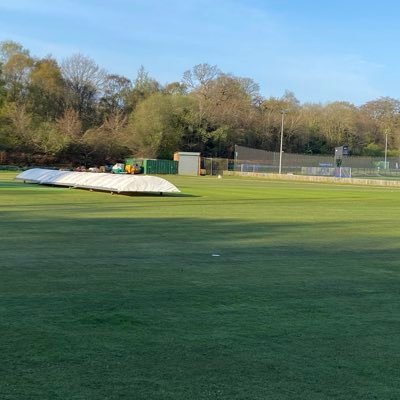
386, 146
283, 112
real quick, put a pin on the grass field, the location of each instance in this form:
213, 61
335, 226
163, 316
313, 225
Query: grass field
119, 297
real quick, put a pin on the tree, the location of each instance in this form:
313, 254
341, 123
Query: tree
373, 150
16, 65
47, 140
198, 81
200, 76
270, 123
144, 86
21, 123
385, 114
158, 125
3, 90
84, 81
108, 141
175, 88
225, 108
115, 93
9, 48
46, 89
228, 97
69, 124
8, 139
313, 142
339, 125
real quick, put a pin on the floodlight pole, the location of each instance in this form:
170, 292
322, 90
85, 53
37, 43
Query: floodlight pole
283, 112
386, 146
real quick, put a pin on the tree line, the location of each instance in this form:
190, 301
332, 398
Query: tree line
75, 112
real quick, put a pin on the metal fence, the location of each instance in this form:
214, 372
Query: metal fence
254, 160
308, 160
216, 166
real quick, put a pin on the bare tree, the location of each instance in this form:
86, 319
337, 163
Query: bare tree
200, 76
80, 70
85, 82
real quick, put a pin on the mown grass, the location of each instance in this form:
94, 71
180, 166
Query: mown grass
119, 297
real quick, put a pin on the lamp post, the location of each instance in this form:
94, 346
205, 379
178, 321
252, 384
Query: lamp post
283, 112
386, 145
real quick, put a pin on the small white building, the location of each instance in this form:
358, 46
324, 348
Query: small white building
189, 163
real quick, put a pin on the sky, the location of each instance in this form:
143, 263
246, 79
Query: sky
322, 50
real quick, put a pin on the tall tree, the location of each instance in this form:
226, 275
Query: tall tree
16, 65
9, 48
158, 125
200, 76
85, 81
46, 89
116, 91
144, 86
385, 113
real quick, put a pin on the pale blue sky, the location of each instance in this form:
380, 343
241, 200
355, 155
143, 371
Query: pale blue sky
322, 50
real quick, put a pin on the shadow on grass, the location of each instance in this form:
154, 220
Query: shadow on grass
140, 308
141, 194
18, 185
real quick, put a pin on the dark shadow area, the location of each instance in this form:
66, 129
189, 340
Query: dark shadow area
129, 194
145, 194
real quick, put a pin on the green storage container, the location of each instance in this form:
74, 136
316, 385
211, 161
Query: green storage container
160, 167
155, 167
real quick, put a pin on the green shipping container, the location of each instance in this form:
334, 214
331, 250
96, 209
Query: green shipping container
160, 167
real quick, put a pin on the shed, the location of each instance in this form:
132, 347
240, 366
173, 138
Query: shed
189, 163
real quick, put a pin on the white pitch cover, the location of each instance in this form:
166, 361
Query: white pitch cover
122, 183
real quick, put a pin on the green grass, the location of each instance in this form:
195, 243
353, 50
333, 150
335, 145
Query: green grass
119, 297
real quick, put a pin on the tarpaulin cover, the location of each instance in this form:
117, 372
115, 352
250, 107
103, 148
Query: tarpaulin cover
99, 181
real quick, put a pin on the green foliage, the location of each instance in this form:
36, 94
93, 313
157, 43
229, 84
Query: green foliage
373, 150
317, 145
51, 109
116, 92
9, 48
393, 153
16, 126
7, 139
46, 90
47, 140
144, 86
158, 124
